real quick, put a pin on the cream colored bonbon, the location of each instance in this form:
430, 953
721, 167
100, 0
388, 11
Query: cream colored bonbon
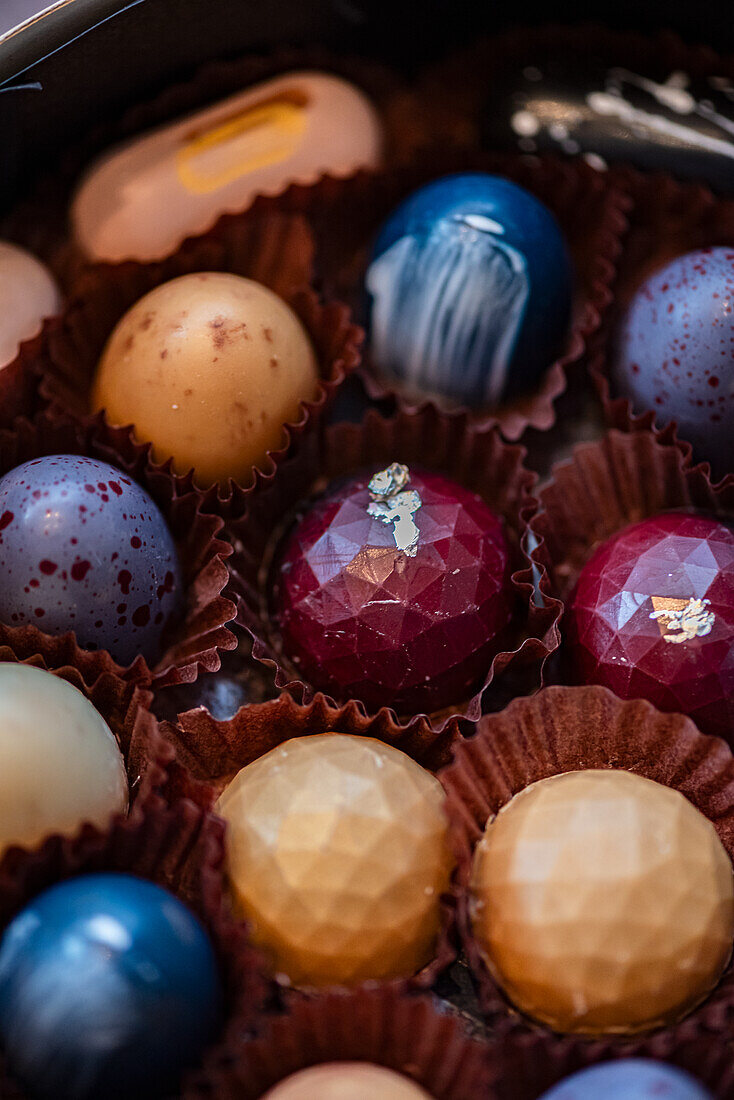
28, 294
347, 1081
60, 765
141, 200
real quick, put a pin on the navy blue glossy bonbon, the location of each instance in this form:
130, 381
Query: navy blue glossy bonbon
108, 988
470, 290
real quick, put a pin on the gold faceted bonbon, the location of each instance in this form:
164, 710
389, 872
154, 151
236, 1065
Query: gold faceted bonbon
603, 902
337, 855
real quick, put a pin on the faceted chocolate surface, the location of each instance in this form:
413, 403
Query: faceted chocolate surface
366, 613
652, 617
603, 902
337, 855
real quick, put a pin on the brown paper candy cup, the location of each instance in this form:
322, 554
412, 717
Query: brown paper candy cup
409, 1034
346, 215
610, 483
147, 752
667, 219
179, 848
474, 457
196, 641
210, 753
563, 729
616, 481
272, 248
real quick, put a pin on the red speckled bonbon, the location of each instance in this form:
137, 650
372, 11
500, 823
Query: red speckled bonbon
675, 352
652, 617
361, 618
84, 548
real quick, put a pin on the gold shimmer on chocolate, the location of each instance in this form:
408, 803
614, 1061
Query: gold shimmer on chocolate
338, 855
208, 367
603, 902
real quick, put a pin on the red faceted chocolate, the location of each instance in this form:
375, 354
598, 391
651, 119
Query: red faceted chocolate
395, 590
652, 617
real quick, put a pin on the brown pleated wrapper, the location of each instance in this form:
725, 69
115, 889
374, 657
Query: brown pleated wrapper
408, 1034
667, 219
474, 457
457, 90
40, 222
346, 216
181, 849
147, 752
617, 480
564, 729
196, 641
272, 248
210, 753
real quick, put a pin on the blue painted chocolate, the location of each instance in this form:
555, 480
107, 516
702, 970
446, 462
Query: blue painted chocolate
674, 352
629, 1079
108, 989
470, 286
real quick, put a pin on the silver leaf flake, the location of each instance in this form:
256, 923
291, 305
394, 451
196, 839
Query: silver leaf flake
395, 505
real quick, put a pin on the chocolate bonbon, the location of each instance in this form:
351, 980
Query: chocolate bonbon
108, 988
60, 765
28, 293
83, 547
140, 201
337, 854
394, 588
208, 367
674, 351
602, 902
470, 287
652, 617
347, 1081
629, 1079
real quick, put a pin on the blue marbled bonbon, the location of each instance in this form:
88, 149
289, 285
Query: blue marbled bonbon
629, 1079
108, 988
470, 285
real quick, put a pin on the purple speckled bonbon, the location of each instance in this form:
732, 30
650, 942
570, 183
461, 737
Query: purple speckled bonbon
675, 351
84, 548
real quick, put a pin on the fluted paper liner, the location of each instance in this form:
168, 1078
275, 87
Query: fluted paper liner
667, 220
408, 1034
617, 480
476, 458
563, 729
272, 248
346, 216
147, 752
181, 849
209, 753
195, 642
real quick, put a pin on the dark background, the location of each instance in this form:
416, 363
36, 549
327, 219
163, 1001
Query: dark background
89, 59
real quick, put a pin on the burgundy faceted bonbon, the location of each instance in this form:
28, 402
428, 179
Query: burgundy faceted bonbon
394, 590
652, 617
